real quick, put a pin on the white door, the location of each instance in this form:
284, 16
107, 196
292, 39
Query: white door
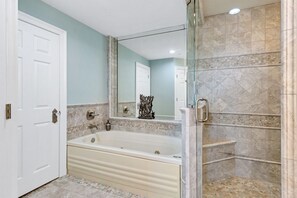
180, 90
38, 95
8, 95
143, 83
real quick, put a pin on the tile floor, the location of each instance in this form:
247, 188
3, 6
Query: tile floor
241, 188
72, 187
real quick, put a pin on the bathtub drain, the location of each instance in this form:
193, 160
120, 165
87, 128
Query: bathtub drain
93, 140
157, 152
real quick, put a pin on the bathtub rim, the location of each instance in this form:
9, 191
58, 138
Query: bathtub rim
77, 142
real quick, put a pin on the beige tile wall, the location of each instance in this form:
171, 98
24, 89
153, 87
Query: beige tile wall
239, 72
253, 30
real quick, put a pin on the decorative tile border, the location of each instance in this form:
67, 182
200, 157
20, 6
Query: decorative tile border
260, 59
147, 126
113, 75
273, 121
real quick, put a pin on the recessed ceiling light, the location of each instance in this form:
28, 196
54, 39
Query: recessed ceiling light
234, 11
172, 51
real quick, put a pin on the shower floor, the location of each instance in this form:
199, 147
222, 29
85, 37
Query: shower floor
239, 187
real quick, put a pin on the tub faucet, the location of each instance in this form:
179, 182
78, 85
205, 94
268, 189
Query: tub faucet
92, 126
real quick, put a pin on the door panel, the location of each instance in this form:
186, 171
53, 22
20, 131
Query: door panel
180, 90
143, 83
38, 87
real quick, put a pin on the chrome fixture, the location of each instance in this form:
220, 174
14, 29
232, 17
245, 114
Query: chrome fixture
92, 126
202, 110
93, 140
91, 115
107, 126
125, 110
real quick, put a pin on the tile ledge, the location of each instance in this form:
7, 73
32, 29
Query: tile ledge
221, 143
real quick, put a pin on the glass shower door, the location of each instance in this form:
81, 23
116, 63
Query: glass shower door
195, 140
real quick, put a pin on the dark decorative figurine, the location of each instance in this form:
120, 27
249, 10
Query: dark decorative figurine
145, 109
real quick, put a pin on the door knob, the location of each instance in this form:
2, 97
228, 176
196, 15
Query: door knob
55, 116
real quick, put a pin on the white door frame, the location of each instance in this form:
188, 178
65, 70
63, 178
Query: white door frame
186, 70
63, 84
8, 95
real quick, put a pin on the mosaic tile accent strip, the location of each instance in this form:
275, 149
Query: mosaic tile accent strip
113, 75
262, 59
237, 187
69, 186
245, 120
147, 126
77, 123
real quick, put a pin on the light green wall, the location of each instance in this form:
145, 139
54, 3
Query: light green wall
126, 73
162, 86
86, 54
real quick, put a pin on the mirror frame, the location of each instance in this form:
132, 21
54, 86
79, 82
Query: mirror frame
113, 84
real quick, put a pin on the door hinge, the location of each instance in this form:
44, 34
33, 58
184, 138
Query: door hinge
8, 111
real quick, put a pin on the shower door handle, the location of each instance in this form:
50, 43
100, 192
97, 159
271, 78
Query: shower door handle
202, 110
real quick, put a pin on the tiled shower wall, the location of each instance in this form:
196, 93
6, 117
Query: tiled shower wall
239, 72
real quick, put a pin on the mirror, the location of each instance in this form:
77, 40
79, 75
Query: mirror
152, 64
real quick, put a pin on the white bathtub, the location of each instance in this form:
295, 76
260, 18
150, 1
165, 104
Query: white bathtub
144, 164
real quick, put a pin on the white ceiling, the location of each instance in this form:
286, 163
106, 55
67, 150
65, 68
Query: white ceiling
213, 7
158, 46
120, 18
124, 17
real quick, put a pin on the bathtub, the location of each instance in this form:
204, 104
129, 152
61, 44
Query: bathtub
144, 164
